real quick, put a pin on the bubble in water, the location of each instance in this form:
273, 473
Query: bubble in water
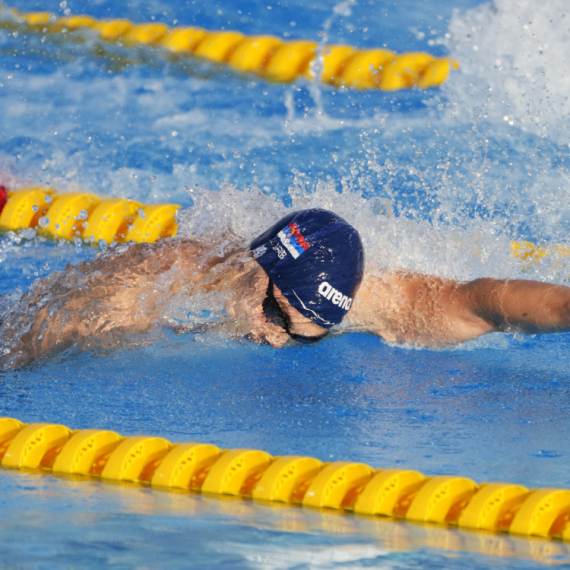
83, 215
43, 222
343, 8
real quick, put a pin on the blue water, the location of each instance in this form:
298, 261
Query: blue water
456, 182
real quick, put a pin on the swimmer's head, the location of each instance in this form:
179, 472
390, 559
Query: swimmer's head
317, 260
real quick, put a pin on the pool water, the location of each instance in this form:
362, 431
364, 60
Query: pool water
438, 181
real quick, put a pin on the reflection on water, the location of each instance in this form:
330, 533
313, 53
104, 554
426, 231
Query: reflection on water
128, 524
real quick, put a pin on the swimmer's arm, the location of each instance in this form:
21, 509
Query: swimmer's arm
97, 300
521, 305
423, 309
249, 284
83, 318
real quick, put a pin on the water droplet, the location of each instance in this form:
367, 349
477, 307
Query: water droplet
28, 233
43, 222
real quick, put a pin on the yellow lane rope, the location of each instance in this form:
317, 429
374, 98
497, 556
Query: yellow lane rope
86, 218
252, 474
267, 56
530, 253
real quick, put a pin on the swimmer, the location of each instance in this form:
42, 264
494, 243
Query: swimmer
294, 283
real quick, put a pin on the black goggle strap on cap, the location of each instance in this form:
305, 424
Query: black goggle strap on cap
275, 314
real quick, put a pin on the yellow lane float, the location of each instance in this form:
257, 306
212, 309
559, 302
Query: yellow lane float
344, 486
266, 56
86, 217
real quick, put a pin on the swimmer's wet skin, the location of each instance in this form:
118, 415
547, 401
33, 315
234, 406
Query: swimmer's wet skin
296, 281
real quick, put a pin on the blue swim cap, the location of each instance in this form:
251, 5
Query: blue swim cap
317, 260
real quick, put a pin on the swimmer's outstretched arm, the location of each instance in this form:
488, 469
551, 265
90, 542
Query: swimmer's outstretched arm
102, 300
519, 305
429, 311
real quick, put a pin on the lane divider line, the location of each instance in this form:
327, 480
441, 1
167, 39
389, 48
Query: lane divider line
89, 219
345, 486
268, 57
86, 218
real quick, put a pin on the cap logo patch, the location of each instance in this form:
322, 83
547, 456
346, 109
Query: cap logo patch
293, 240
336, 297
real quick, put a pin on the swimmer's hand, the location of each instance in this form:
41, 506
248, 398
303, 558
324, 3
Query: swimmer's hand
275, 338
247, 308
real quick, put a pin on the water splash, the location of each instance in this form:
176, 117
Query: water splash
514, 60
232, 218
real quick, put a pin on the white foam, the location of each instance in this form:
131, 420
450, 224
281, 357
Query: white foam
233, 217
514, 57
